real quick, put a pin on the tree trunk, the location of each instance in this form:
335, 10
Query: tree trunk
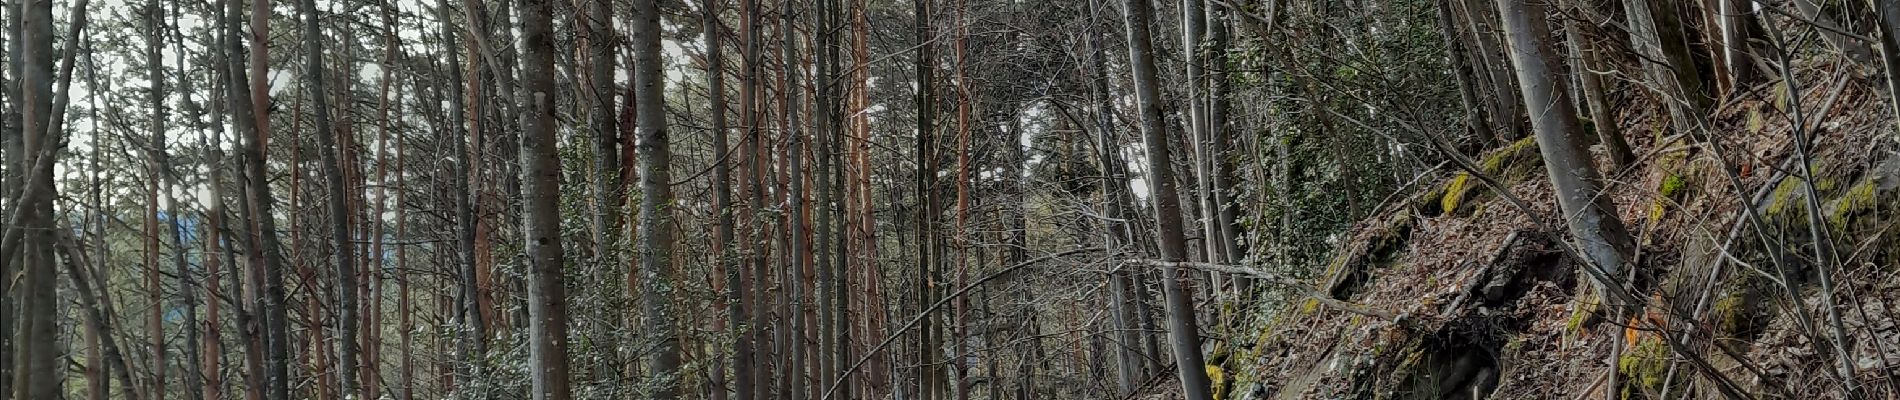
596, 27
756, 221
266, 253
724, 255
97, 317
333, 167
1889, 11
1183, 334
1656, 35
925, 210
1226, 213
541, 170
1592, 218
155, 167
1739, 31
1588, 60
15, 164
1116, 232
656, 198
243, 125
1462, 70
1505, 117
35, 375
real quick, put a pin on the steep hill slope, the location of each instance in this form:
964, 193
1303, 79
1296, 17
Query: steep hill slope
1486, 307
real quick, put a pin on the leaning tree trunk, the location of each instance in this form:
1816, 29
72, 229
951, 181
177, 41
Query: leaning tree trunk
1587, 58
1592, 218
1183, 334
267, 251
1116, 232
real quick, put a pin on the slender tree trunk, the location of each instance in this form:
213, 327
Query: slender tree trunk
1889, 11
926, 208
266, 251
237, 97
725, 260
1462, 70
192, 362
1506, 118
1588, 60
92, 301
596, 27
1592, 218
798, 274
833, 330
961, 330
1116, 234
1176, 284
35, 364
1656, 35
471, 332
333, 167
1221, 148
1739, 30
757, 223
155, 167
656, 201
405, 327
879, 378
12, 142
217, 250
540, 168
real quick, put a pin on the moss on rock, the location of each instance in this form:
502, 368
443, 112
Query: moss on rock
1644, 365
1857, 201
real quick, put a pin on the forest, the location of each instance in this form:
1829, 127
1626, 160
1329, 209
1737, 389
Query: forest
950, 199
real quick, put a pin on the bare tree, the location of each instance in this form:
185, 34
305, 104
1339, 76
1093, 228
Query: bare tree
1183, 333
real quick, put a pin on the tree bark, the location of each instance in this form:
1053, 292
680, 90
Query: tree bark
1116, 232
541, 170
1739, 30
925, 211
1588, 59
345, 251
1506, 117
1462, 71
155, 167
656, 199
1592, 218
1183, 334
96, 317
266, 252
1657, 37
1889, 11
35, 374
724, 255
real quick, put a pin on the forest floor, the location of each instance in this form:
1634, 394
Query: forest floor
1488, 308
